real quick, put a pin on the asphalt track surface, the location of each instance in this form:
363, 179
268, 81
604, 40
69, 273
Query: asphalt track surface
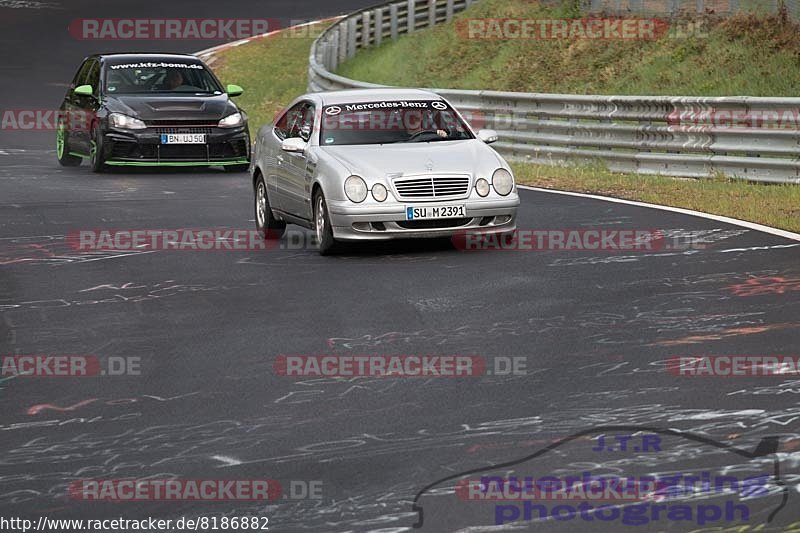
595, 329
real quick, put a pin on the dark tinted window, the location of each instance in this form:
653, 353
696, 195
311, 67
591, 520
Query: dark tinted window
391, 122
288, 122
164, 77
93, 78
82, 74
304, 123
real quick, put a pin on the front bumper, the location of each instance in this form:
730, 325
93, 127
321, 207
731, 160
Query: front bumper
143, 147
355, 222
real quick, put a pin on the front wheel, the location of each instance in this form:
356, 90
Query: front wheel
322, 224
65, 158
267, 225
96, 159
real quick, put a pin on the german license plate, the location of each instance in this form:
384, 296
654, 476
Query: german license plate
183, 138
430, 212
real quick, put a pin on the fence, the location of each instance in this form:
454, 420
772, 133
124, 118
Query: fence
747, 137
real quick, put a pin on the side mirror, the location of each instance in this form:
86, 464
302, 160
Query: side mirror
487, 136
84, 90
233, 90
294, 145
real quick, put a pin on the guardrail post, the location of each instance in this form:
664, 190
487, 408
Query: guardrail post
412, 16
331, 55
321, 54
393, 21
351, 38
342, 47
378, 26
431, 13
449, 11
366, 20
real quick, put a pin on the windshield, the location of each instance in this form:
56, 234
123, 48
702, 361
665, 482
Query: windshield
160, 77
391, 122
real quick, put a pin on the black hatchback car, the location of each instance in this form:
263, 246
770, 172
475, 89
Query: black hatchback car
151, 110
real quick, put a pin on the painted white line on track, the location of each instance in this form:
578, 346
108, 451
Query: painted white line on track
682, 211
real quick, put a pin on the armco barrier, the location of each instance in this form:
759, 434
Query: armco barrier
747, 137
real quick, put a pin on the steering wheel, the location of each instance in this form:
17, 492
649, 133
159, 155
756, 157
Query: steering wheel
421, 133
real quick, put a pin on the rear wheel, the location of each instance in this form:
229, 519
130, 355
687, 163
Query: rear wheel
322, 224
96, 159
266, 223
65, 159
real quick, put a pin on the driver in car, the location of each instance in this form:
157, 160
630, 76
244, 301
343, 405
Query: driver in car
419, 121
173, 79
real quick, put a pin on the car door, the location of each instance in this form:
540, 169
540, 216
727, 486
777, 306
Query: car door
275, 156
73, 114
85, 108
296, 178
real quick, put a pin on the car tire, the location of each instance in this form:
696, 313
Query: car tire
267, 225
236, 168
96, 159
65, 158
326, 243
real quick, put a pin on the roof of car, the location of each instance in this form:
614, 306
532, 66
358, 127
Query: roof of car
132, 56
375, 95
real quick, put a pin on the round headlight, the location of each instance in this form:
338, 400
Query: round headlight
355, 189
379, 192
503, 181
482, 186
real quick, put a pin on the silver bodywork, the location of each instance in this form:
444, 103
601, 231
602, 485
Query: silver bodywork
292, 178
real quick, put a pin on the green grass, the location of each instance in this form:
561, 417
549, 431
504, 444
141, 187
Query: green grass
744, 55
273, 72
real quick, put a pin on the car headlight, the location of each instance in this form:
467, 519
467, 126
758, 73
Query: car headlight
231, 121
379, 192
482, 186
356, 189
503, 182
118, 120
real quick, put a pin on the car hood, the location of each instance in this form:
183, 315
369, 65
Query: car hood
155, 107
441, 157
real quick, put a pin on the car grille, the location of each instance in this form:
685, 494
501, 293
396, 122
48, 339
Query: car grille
434, 224
236, 149
432, 187
179, 123
187, 129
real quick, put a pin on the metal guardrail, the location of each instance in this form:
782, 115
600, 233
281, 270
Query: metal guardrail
747, 137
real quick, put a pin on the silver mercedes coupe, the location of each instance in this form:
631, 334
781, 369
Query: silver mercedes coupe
377, 164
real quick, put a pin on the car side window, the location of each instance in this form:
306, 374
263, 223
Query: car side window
305, 123
93, 78
286, 123
82, 74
